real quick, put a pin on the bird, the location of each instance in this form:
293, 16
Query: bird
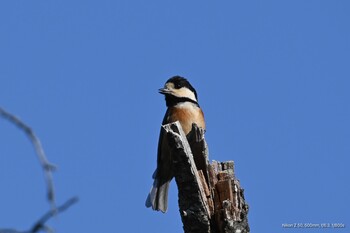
182, 105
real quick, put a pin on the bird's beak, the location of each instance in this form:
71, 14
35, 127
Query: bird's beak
164, 91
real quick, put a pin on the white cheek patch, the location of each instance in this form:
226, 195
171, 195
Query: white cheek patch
185, 92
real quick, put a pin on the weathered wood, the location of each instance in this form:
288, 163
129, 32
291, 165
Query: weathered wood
211, 199
192, 199
231, 209
199, 149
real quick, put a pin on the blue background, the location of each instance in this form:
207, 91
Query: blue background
273, 79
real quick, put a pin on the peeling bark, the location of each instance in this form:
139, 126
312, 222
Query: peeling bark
211, 199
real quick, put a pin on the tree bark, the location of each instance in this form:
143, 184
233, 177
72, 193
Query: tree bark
211, 199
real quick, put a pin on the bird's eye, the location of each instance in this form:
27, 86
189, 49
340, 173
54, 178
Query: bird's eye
177, 85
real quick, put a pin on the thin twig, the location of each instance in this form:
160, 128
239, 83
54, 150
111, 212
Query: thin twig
46, 166
40, 224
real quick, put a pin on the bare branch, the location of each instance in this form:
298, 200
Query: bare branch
40, 224
46, 166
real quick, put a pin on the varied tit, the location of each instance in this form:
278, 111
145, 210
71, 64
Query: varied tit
182, 102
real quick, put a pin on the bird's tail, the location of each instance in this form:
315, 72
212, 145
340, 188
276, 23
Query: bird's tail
158, 196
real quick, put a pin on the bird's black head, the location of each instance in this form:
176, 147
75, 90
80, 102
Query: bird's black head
178, 90
178, 87
180, 82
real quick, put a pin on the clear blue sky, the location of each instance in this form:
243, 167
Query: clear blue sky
273, 79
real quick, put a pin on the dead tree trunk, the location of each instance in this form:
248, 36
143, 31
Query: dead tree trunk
211, 199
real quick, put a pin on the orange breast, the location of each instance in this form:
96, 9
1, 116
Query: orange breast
186, 116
